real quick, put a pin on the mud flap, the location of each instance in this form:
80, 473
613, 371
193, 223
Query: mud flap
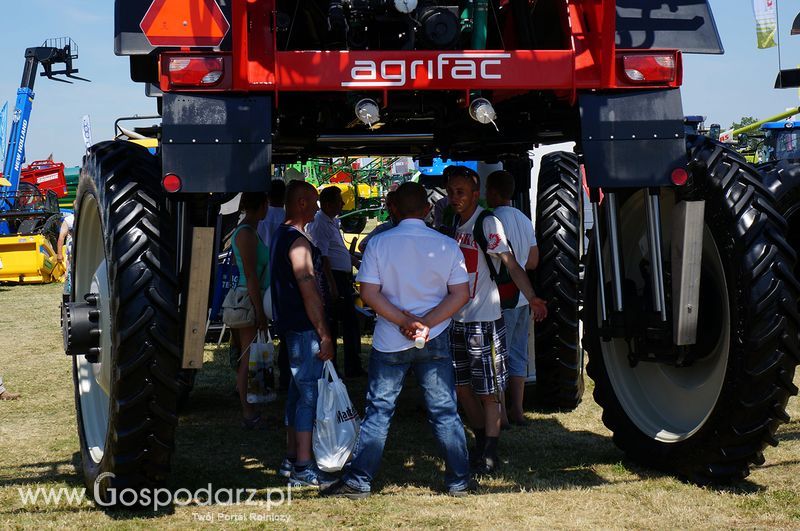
218, 143
632, 140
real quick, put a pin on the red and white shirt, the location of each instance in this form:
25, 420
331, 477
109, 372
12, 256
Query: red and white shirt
484, 299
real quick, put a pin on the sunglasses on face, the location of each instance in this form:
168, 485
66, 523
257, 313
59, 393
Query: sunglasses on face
464, 171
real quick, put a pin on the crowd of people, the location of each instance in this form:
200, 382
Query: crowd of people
453, 303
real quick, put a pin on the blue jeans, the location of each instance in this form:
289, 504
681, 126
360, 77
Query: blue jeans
433, 367
518, 323
306, 367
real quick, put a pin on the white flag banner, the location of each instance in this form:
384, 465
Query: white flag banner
766, 13
3, 124
87, 131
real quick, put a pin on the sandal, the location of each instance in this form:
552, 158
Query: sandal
7, 395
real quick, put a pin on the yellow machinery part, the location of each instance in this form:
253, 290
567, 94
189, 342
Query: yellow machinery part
365, 190
149, 143
28, 260
348, 196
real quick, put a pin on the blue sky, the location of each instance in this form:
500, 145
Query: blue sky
724, 88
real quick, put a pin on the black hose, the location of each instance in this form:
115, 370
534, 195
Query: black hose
521, 14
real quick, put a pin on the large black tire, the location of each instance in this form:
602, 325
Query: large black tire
753, 354
51, 230
783, 181
123, 217
559, 234
354, 224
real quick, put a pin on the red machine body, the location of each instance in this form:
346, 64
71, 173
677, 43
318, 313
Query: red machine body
590, 60
46, 175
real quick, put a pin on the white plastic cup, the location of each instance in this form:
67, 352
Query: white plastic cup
419, 341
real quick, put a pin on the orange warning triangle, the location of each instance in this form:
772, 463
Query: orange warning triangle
185, 23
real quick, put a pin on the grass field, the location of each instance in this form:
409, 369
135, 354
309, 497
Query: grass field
562, 472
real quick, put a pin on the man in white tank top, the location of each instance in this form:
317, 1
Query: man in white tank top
520, 233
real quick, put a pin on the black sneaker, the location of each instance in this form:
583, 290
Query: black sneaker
472, 488
487, 465
340, 489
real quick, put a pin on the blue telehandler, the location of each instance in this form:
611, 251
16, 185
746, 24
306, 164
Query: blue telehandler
29, 219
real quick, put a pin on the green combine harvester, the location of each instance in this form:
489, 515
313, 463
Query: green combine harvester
753, 138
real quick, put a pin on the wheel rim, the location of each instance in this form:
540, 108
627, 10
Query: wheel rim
94, 379
667, 403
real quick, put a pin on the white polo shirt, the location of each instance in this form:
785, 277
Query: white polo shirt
413, 264
267, 226
325, 233
520, 234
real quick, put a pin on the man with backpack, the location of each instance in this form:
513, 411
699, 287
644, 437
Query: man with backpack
477, 336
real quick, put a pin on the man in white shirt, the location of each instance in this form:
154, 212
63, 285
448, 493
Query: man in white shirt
64, 248
383, 227
338, 266
410, 271
520, 233
276, 213
478, 333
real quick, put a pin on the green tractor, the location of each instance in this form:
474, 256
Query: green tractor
780, 163
773, 145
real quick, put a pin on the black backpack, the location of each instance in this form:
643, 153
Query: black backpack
509, 292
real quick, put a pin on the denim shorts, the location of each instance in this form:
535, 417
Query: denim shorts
518, 324
306, 367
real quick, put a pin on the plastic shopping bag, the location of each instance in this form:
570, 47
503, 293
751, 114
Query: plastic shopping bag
337, 424
267, 302
260, 376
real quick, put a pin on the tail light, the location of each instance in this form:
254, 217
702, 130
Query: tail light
679, 176
172, 183
650, 68
195, 72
